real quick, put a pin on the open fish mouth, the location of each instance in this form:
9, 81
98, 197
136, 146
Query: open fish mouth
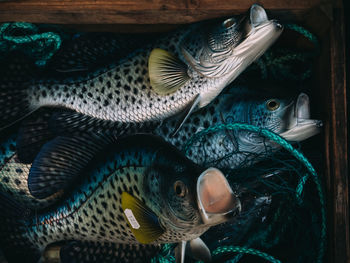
301, 127
216, 201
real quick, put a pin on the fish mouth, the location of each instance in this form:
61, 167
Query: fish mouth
301, 127
216, 200
260, 34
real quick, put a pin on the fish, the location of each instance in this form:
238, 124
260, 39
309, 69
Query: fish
140, 189
100, 252
15, 168
286, 115
86, 52
176, 75
254, 209
224, 149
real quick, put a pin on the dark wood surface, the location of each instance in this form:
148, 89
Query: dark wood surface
137, 11
336, 148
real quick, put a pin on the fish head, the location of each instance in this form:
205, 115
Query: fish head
232, 45
272, 113
285, 114
288, 118
193, 199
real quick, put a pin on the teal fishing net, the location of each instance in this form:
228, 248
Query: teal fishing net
294, 228
291, 226
33, 41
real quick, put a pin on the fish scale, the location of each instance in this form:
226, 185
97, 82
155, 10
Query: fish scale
93, 212
108, 253
14, 176
232, 149
121, 94
173, 75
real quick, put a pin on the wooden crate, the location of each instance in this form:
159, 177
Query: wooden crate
325, 18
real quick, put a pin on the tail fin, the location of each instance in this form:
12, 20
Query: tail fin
14, 104
13, 242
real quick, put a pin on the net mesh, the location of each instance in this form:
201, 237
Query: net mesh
294, 228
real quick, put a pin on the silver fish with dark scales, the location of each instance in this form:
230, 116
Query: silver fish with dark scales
141, 190
288, 117
151, 84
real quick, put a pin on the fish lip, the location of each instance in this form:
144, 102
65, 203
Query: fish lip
210, 218
258, 16
304, 129
301, 127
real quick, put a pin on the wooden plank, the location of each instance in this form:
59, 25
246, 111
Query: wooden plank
338, 151
136, 11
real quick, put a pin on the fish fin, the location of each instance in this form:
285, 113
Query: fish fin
14, 104
52, 253
143, 222
180, 252
167, 73
32, 135
186, 113
60, 162
198, 250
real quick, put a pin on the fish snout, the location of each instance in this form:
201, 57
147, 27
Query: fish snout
257, 15
216, 200
302, 108
301, 127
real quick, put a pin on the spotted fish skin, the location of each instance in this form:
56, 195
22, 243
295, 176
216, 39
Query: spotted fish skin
240, 104
14, 176
122, 93
92, 212
90, 252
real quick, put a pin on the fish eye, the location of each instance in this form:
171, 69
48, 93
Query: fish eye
180, 189
229, 22
272, 104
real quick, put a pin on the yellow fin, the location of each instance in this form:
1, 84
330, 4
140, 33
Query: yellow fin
143, 222
167, 73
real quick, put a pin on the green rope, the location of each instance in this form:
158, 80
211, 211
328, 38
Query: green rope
27, 38
306, 33
300, 188
287, 146
250, 251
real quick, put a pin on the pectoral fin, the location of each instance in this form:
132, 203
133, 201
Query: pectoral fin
186, 113
167, 73
180, 251
198, 250
143, 222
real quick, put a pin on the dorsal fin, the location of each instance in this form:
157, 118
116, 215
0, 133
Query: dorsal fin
60, 162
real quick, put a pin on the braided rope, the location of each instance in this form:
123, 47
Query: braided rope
287, 146
250, 251
26, 37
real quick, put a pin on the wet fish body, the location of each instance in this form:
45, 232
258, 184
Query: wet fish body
136, 170
152, 84
283, 115
225, 149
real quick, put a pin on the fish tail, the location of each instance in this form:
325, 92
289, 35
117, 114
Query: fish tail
14, 103
14, 243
